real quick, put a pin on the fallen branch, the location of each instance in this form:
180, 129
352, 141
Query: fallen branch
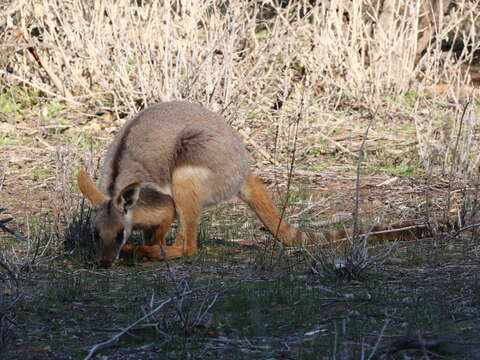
472, 226
339, 146
115, 338
7, 230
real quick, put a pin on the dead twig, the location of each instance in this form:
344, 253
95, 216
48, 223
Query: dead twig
357, 180
124, 331
7, 230
465, 228
339, 146
380, 336
309, 207
454, 158
38, 87
43, 63
12, 275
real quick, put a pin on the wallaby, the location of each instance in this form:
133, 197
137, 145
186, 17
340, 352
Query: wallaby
174, 158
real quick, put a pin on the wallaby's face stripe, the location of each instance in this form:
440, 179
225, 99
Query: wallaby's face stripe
166, 189
112, 229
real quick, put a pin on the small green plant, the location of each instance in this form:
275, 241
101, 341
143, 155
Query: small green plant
403, 169
315, 151
41, 174
10, 140
410, 98
17, 99
298, 196
83, 142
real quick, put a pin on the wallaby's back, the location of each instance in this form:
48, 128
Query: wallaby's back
172, 135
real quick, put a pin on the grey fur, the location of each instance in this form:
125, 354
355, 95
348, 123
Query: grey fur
169, 135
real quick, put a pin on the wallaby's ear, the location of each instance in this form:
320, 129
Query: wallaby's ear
128, 197
89, 189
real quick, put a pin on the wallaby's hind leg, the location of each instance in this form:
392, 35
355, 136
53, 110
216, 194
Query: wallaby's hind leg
189, 191
256, 196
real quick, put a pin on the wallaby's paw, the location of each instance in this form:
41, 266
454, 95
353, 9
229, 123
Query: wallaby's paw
152, 252
172, 252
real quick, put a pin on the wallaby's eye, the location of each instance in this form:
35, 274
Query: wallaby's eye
119, 238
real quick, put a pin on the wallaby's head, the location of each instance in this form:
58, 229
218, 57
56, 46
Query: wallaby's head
112, 217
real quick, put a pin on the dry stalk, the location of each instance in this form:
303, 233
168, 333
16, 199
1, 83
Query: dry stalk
124, 331
231, 57
9, 231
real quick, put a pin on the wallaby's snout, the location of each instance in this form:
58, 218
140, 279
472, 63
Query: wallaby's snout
109, 244
107, 257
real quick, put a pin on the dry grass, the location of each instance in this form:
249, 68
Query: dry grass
220, 54
252, 61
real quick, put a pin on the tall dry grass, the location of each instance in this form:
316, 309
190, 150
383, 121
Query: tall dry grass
247, 59
215, 52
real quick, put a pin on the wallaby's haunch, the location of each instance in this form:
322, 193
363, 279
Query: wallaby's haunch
171, 159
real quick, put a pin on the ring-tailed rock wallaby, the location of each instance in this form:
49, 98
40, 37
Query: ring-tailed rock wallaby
174, 158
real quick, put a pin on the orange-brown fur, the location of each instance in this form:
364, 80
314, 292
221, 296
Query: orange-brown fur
256, 196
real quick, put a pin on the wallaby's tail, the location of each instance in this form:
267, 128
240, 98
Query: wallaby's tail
256, 196
403, 230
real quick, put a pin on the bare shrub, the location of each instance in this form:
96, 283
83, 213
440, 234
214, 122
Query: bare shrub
222, 54
184, 312
10, 296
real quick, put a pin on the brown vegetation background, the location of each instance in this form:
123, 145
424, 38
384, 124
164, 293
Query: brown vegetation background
290, 75
301, 81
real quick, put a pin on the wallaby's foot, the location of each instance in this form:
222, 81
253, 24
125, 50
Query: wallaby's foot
127, 250
172, 252
151, 252
154, 252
